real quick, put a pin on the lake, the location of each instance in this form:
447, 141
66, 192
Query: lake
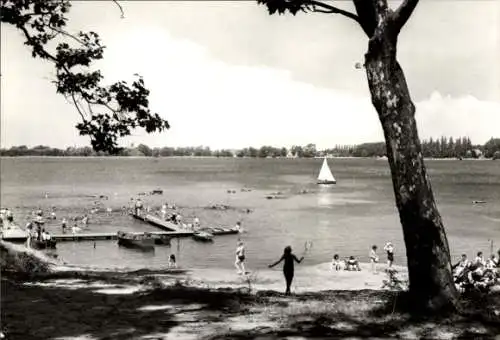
346, 218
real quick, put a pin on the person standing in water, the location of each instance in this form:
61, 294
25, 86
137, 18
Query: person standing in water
240, 258
288, 267
238, 227
172, 263
64, 224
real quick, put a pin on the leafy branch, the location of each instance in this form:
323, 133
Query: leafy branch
294, 6
107, 112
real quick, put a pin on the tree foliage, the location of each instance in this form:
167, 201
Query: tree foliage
107, 112
492, 148
462, 147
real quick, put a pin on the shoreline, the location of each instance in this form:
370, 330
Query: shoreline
69, 304
221, 157
308, 278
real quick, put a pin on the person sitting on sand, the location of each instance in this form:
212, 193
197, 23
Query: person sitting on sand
488, 279
476, 271
497, 259
490, 263
240, 258
374, 259
461, 265
352, 264
172, 262
389, 248
288, 267
479, 259
336, 263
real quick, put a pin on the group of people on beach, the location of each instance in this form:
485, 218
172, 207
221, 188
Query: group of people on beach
288, 267
289, 259
351, 263
479, 273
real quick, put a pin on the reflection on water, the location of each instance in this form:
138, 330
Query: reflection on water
346, 218
325, 198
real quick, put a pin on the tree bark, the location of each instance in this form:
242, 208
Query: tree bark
429, 266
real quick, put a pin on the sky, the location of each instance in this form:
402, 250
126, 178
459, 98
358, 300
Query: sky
227, 75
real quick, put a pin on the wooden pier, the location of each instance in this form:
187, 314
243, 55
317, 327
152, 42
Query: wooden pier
157, 222
114, 236
169, 229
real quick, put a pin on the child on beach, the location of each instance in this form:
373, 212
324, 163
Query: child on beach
240, 258
336, 263
288, 267
374, 259
352, 264
389, 248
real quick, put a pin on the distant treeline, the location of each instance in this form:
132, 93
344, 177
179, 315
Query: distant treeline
443, 147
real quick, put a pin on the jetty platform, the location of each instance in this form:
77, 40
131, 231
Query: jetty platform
113, 236
169, 229
172, 227
157, 222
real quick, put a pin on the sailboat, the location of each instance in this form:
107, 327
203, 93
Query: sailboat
325, 174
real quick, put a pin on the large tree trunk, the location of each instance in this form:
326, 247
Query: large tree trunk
431, 280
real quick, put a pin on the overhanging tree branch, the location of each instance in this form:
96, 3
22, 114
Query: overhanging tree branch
404, 12
321, 7
120, 7
294, 6
107, 112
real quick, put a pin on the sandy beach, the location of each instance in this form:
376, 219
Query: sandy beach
66, 302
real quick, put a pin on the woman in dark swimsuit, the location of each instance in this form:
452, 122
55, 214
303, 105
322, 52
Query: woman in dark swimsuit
288, 267
389, 248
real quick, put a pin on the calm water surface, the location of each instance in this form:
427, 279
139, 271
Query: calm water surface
347, 218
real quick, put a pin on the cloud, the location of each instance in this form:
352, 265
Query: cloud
213, 103
458, 116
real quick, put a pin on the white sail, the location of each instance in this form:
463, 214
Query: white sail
325, 174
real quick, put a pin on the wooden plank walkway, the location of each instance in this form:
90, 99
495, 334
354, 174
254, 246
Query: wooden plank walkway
157, 222
113, 236
169, 229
